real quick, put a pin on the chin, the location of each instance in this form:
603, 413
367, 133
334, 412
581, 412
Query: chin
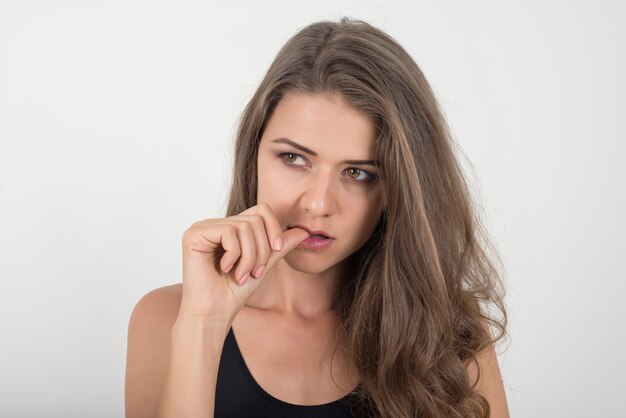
310, 262
306, 266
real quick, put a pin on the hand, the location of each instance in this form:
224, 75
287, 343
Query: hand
218, 252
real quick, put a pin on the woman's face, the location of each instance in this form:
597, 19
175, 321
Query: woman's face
319, 187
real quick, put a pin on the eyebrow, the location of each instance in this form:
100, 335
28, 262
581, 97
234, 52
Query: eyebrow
313, 153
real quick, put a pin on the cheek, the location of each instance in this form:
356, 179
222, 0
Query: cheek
273, 188
363, 223
266, 180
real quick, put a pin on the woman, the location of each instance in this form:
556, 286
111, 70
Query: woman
349, 277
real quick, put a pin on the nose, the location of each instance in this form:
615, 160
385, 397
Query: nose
319, 194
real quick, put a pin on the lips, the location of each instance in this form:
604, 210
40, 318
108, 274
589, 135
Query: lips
313, 232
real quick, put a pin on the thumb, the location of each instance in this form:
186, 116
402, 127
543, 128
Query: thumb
291, 239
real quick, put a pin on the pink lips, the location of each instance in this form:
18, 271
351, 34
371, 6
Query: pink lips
314, 242
313, 232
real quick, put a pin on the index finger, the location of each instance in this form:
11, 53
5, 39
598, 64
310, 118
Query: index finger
293, 237
272, 226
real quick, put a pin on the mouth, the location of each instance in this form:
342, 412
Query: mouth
314, 233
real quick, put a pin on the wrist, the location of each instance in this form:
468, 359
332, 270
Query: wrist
191, 321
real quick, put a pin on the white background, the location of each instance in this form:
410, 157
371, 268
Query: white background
116, 127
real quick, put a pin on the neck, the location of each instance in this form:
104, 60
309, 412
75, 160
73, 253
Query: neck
297, 294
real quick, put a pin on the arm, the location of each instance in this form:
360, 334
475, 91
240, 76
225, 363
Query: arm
181, 380
163, 351
192, 376
148, 351
490, 384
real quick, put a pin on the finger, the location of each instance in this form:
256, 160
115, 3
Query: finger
263, 250
273, 228
292, 238
243, 261
247, 243
199, 237
232, 250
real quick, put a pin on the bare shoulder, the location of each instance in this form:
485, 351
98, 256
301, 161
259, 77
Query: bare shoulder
161, 301
148, 350
490, 383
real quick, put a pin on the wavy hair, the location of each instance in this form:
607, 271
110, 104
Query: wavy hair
414, 309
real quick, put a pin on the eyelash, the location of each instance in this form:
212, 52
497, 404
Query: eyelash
371, 177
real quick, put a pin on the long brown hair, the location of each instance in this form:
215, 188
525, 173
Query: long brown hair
414, 307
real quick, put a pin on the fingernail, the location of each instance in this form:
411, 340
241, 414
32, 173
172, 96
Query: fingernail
244, 278
259, 271
227, 269
278, 244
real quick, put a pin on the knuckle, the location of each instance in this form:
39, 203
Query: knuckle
246, 228
269, 208
187, 234
192, 229
235, 253
269, 211
196, 225
231, 229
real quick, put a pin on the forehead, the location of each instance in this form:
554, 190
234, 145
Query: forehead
321, 122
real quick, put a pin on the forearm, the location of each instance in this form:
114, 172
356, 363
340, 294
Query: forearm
189, 390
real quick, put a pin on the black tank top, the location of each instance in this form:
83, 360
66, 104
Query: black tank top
238, 395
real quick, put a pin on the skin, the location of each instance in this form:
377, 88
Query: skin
321, 192
292, 308
285, 331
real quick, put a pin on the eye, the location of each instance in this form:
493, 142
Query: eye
288, 157
368, 177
